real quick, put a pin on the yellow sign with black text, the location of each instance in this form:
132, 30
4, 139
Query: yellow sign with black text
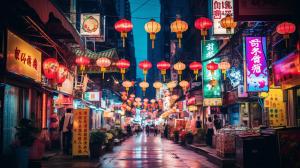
81, 137
22, 58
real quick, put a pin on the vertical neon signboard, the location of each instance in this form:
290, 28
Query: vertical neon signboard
257, 69
211, 92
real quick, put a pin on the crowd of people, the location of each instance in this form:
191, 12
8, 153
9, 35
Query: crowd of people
137, 129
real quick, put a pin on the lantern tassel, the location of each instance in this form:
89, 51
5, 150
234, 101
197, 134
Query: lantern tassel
123, 42
152, 43
179, 43
102, 75
122, 76
164, 78
196, 77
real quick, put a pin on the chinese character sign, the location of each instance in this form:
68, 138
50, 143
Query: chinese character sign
22, 58
211, 81
257, 70
221, 8
81, 140
209, 49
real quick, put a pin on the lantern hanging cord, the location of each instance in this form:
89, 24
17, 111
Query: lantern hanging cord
145, 18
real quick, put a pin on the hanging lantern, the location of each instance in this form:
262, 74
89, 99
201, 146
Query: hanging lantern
178, 27
213, 82
82, 61
144, 85
179, 67
224, 66
163, 66
123, 26
212, 67
127, 85
152, 28
123, 64
62, 74
171, 85
103, 63
138, 99
50, 68
157, 85
228, 23
203, 24
145, 66
195, 66
184, 85
285, 29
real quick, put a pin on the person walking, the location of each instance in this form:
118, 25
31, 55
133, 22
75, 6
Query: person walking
209, 131
155, 130
66, 127
147, 130
217, 122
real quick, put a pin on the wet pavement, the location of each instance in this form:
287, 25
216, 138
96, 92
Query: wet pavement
150, 151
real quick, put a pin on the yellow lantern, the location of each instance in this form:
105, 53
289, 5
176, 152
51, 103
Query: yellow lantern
138, 99
103, 63
152, 28
171, 85
179, 67
144, 85
224, 66
228, 23
184, 85
157, 85
178, 27
127, 84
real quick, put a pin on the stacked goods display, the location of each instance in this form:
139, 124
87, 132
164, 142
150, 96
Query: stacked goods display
225, 140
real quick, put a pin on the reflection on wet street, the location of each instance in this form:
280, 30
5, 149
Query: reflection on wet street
150, 151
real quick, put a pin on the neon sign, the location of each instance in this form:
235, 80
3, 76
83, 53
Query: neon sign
257, 70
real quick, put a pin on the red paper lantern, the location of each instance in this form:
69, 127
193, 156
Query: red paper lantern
123, 26
286, 28
82, 61
62, 74
123, 64
203, 24
50, 68
212, 67
195, 66
145, 66
163, 66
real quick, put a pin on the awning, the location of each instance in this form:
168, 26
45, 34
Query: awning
110, 53
44, 8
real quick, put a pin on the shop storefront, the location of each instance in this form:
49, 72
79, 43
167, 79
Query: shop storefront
22, 95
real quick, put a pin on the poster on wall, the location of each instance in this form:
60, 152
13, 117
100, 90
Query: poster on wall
275, 106
22, 58
257, 69
211, 80
80, 139
220, 9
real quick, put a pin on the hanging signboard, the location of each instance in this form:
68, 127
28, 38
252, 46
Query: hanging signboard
211, 81
220, 9
67, 85
257, 69
22, 58
92, 96
90, 24
81, 140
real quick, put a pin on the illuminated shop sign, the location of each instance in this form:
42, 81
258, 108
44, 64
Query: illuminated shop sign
211, 81
257, 70
220, 9
22, 58
81, 133
92, 96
